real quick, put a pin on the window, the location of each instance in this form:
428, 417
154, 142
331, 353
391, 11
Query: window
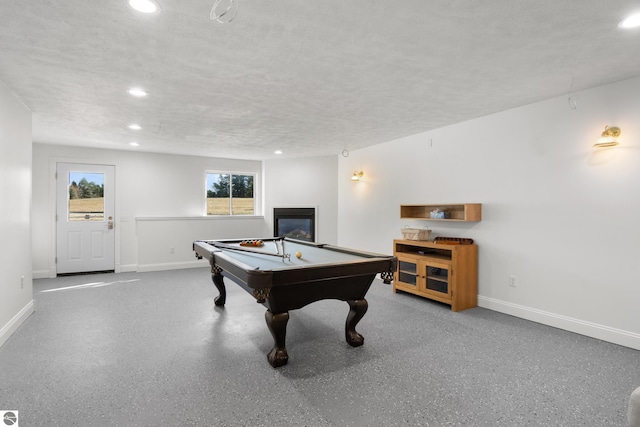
230, 193
86, 196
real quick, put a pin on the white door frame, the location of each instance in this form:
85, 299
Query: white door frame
53, 162
86, 243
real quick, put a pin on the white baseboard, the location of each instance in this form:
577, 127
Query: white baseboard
593, 330
17, 320
127, 268
40, 274
172, 265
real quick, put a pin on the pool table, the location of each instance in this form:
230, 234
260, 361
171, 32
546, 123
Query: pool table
285, 274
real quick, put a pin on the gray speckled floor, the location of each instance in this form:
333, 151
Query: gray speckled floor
149, 349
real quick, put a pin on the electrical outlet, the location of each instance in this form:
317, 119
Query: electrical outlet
172, 250
512, 281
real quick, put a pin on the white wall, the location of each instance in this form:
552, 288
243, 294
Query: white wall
159, 206
305, 182
159, 203
16, 292
560, 215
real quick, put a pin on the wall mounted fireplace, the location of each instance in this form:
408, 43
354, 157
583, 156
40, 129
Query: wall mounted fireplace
296, 223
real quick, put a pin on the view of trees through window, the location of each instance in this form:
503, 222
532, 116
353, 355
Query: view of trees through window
230, 194
86, 196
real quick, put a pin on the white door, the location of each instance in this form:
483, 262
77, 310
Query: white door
85, 239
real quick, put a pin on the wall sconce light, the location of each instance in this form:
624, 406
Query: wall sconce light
357, 175
609, 137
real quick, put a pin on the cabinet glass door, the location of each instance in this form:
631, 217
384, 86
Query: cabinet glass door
408, 273
437, 279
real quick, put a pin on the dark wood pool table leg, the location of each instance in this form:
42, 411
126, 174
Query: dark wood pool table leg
218, 280
358, 309
277, 324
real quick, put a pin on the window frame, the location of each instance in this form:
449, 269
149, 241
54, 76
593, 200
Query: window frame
256, 198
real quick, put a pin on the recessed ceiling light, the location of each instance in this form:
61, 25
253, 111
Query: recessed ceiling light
632, 21
134, 126
145, 6
134, 144
277, 152
136, 91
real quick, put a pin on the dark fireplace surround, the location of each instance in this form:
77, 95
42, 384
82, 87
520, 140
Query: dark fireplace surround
296, 223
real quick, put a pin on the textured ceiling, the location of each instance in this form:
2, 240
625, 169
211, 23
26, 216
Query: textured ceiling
309, 78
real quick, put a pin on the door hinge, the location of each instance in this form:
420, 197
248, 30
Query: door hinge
56, 260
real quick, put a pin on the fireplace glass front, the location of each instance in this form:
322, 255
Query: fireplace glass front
296, 223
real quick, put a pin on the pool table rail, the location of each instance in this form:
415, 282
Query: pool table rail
287, 275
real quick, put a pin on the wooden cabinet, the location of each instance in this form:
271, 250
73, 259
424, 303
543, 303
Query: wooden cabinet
466, 212
445, 273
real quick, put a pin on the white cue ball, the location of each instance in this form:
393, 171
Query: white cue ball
298, 254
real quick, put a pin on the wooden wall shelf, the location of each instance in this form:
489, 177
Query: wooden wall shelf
464, 212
